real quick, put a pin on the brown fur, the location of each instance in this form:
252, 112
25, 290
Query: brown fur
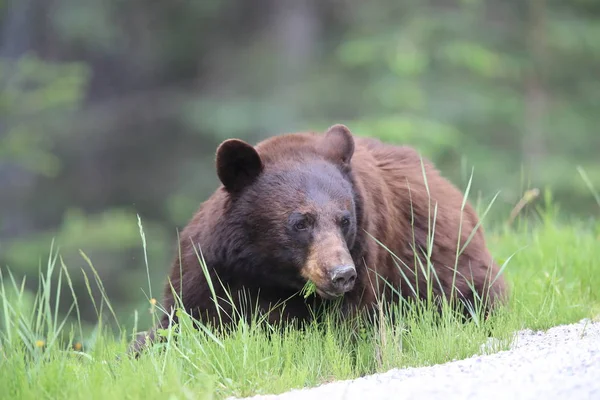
393, 204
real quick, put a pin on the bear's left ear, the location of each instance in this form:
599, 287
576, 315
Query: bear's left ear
338, 144
238, 164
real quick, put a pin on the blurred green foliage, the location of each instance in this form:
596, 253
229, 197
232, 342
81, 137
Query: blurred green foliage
111, 109
34, 99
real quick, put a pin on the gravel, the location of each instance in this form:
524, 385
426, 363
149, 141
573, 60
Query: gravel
560, 363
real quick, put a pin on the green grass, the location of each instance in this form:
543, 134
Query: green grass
553, 270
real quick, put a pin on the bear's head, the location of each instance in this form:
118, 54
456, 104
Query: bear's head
294, 208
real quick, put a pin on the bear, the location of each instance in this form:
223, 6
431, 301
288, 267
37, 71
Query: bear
341, 211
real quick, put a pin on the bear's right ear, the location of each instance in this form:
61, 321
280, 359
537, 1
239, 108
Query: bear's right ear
238, 164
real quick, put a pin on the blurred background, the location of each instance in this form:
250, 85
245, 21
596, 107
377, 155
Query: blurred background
113, 109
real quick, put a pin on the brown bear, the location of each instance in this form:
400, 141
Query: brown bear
340, 211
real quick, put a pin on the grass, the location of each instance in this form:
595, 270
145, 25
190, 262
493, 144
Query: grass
553, 270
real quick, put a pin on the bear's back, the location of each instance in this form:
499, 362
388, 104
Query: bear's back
424, 204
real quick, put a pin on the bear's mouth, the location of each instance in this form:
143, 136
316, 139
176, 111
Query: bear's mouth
328, 295
311, 288
333, 288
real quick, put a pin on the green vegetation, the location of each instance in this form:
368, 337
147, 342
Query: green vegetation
553, 270
308, 289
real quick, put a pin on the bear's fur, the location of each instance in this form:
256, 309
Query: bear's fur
297, 206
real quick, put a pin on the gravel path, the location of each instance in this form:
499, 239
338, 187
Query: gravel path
561, 363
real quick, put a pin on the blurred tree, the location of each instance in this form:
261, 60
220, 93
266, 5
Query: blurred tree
494, 85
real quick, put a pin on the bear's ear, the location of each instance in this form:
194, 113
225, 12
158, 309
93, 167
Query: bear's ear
238, 164
338, 144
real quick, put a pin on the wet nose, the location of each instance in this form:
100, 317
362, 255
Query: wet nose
343, 277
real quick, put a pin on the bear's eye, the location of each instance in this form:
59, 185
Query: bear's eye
345, 221
301, 225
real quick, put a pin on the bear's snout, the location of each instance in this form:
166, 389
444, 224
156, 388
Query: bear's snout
329, 266
343, 278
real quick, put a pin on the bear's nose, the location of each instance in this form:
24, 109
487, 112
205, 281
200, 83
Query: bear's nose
343, 277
